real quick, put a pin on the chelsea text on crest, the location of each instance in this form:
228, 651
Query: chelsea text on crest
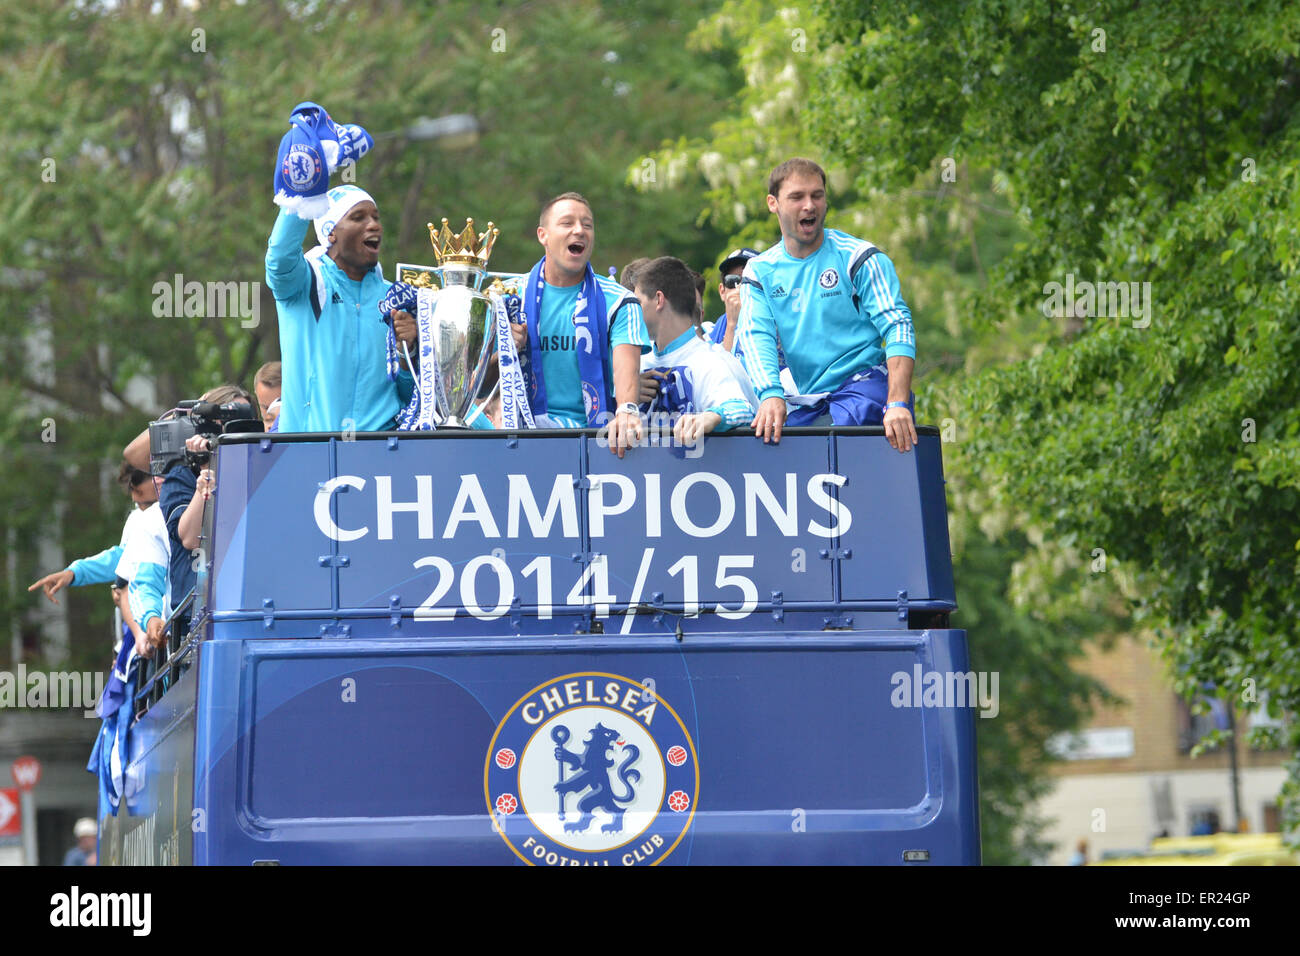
551, 699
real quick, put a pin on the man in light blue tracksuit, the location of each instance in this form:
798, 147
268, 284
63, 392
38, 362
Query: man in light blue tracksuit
833, 301
332, 340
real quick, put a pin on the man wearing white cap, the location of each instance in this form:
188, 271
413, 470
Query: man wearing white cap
332, 344
83, 854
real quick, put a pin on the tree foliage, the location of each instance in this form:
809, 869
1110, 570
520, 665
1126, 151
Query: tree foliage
1144, 143
140, 144
944, 220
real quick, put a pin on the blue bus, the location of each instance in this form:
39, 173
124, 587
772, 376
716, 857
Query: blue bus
479, 647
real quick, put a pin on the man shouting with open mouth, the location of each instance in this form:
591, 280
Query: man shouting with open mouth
582, 334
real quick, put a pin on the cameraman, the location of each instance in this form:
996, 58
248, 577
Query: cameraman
180, 491
190, 526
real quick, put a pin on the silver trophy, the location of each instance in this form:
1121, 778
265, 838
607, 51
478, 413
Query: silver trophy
464, 322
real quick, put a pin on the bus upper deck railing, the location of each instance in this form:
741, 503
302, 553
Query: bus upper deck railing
158, 672
485, 532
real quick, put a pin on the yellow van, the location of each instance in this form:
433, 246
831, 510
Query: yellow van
1219, 849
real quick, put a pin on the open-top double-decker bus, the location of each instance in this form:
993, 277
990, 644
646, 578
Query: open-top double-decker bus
491, 647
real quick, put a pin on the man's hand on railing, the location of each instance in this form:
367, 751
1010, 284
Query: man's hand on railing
900, 429
154, 637
625, 430
771, 416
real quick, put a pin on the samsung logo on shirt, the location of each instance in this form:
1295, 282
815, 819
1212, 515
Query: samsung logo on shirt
555, 343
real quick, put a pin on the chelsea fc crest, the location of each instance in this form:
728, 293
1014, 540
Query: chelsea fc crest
301, 167
591, 769
590, 400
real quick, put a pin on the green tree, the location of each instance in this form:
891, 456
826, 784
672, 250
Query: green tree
140, 143
944, 222
1151, 144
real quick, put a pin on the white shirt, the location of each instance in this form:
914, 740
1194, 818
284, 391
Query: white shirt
714, 379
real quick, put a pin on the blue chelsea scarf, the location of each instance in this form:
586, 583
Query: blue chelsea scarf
591, 333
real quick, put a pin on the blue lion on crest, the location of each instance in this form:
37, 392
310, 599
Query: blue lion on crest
595, 773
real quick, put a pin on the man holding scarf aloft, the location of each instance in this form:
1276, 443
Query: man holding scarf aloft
581, 334
333, 347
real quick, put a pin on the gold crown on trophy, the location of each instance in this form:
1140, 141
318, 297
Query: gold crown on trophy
466, 248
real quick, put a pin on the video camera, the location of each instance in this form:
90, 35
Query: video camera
167, 436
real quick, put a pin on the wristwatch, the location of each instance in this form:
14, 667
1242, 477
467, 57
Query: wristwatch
629, 408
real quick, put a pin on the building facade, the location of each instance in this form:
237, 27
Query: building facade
1129, 776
